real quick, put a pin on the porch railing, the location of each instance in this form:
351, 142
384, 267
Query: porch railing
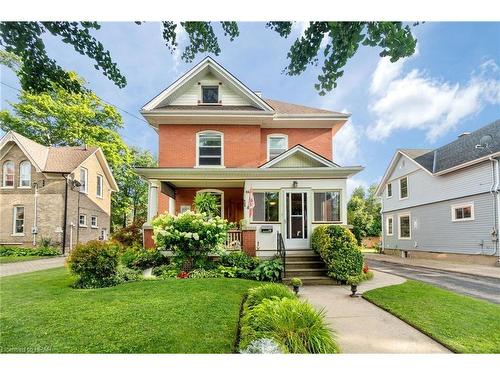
281, 253
233, 240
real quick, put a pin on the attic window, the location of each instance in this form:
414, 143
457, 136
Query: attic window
210, 94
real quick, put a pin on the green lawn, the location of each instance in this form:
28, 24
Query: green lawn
40, 312
463, 324
13, 259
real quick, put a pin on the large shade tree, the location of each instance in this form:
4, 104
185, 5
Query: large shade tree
330, 44
58, 117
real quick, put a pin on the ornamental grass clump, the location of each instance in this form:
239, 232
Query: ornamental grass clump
258, 294
190, 236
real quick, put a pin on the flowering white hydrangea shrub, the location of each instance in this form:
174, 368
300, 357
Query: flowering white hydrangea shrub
189, 235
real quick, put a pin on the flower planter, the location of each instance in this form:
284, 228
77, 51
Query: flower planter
354, 289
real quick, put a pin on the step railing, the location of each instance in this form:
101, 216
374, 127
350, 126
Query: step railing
233, 240
281, 252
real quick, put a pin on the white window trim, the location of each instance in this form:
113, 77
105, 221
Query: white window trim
313, 210
407, 188
276, 135
21, 175
387, 190
82, 225
14, 212
279, 209
198, 149
399, 225
99, 176
86, 191
96, 222
221, 198
4, 186
387, 225
462, 205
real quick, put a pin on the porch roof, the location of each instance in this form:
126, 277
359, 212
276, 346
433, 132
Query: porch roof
242, 174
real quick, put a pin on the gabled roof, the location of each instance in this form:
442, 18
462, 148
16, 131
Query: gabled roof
299, 149
207, 64
50, 159
464, 151
179, 103
67, 159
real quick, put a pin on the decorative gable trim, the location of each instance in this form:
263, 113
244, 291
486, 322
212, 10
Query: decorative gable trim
303, 150
208, 62
11, 137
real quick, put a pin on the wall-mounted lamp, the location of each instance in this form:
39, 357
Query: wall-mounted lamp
295, 184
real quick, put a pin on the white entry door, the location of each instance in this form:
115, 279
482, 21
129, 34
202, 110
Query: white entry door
296, 231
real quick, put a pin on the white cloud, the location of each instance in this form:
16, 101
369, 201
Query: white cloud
181, 38
346, 149
300, 27
418, 101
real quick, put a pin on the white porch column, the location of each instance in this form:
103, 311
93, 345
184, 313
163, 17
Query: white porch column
152, 200
171, 206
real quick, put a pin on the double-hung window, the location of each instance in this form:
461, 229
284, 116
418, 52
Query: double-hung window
276, 145
389, 226
405, 226
327, 206
99, 186
8, 174
93, 221
82, 220
84, 180
389, 190
210, 149
403, 188
25, 174
267, 206
18, 222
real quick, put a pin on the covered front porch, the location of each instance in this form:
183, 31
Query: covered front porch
290, 195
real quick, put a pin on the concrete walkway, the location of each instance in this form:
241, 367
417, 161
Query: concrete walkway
362, 327
468, 269
8, 269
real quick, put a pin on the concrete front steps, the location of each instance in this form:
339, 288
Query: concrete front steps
306, 265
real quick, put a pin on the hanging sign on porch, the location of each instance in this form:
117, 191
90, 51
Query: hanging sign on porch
251, 203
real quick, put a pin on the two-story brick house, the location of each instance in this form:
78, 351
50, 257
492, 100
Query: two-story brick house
53, 192
218, 136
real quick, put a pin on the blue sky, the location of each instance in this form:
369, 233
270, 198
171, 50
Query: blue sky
451, 85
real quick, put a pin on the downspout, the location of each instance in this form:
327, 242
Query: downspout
35, 229
495, 193
65, 175
382, 224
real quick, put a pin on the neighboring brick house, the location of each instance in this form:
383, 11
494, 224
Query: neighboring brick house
218, 136
38, 182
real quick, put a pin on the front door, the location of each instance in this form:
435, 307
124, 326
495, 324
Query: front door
296, 233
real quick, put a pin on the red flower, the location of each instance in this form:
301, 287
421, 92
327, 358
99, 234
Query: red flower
365, 268
183, 275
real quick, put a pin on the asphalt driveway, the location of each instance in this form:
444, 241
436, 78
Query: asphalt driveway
481, 287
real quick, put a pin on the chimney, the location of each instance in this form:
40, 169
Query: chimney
258, 93
464, 134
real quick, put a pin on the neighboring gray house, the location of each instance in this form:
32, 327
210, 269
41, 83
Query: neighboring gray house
444, 203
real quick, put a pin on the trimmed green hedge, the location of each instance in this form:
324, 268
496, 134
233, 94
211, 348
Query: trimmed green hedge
339, 249
15, 251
